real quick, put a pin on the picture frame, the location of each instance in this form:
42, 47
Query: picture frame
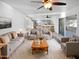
5, 23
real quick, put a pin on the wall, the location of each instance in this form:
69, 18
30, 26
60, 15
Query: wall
16, 17
73, 8
28, 23
75, 11
77, 32
55, 21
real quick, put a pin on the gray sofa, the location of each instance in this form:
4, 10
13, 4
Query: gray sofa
70, 46
12, 42
43, 33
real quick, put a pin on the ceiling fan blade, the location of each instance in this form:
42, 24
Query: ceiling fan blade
40, 7
37, 1
59, 3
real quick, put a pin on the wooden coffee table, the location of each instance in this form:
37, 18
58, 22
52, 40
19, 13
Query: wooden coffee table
42, 47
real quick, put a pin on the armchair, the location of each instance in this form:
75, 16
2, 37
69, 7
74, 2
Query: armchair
70, 48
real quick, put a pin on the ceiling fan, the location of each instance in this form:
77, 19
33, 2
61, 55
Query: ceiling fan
48, 4
47, 16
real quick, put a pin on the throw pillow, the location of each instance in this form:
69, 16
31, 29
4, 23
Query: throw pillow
5, 39
14, 35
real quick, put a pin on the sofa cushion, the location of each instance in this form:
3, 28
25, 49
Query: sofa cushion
14, 35
5, 39
8, 34
13, 45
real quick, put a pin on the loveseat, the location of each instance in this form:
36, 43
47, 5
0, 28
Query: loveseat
12, 41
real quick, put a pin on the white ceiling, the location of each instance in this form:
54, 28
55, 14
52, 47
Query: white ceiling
26, 7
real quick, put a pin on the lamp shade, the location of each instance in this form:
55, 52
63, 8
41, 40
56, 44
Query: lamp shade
48, 5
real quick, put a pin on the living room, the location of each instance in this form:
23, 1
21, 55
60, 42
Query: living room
21, 15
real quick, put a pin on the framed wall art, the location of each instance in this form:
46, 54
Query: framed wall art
5, 23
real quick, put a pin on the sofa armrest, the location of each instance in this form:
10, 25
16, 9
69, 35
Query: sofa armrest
64, 39
4, 50
2, 45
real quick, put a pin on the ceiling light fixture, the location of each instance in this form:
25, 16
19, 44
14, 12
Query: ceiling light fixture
48, 5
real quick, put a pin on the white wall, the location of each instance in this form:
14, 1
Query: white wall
28, 23
55, 21
16, 17
77, 32
72, 12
